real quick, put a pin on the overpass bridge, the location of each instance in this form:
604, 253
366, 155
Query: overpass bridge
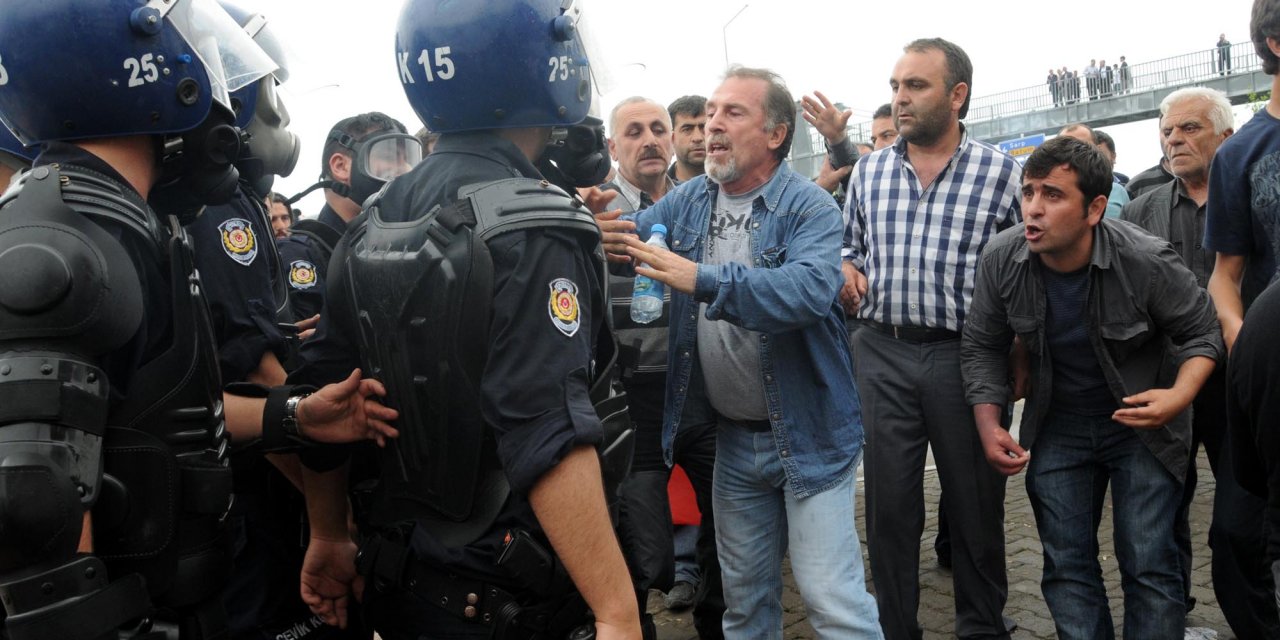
1032, 110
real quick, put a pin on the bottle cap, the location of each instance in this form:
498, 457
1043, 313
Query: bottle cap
659, 228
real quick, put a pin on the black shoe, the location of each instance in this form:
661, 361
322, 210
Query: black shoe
679, 597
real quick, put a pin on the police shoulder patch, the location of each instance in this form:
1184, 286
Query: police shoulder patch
302, 274
563, 306
238, 240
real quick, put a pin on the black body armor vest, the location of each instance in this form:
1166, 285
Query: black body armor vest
422, 294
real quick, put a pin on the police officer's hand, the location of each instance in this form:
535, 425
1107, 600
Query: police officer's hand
329, 579
614, 234
307, 327
347, 411
675, 271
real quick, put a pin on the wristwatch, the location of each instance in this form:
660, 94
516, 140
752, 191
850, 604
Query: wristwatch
290, 421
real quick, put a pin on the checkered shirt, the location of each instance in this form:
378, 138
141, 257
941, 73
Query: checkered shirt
919, 246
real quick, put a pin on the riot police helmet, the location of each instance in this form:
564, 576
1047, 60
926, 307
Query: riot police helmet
493, 65
72, 70
271, 149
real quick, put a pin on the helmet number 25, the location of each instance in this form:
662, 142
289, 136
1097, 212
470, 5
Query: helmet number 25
142, 70
561, 65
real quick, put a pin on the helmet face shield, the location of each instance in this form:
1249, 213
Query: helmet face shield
233, 60
388, 156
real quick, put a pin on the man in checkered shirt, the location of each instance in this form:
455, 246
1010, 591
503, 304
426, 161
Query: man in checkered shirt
918, 215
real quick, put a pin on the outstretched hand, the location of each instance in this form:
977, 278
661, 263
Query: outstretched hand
828, 119
347, 411
613, 235
596, 199
662, 265
1151, 409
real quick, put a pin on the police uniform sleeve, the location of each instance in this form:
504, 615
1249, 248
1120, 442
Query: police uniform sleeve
235, 272
303, 279
548, 299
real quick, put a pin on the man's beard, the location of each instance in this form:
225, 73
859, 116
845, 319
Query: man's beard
928, 127
722, 172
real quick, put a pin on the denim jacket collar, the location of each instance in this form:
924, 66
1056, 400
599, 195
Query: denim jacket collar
773, 187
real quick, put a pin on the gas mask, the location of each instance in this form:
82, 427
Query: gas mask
196, 167
576, 156
271, 150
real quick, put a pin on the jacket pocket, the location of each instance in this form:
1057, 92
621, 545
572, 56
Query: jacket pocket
1124, 336
1027, 328
684, 240
774, 257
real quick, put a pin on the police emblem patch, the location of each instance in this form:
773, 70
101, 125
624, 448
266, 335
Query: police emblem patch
238, 240
563, 306
302, 274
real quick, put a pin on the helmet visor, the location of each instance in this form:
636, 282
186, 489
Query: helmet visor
260, 29
389, 155
601, 74
231, 57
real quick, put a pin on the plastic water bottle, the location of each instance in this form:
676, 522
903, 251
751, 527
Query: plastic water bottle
646, 298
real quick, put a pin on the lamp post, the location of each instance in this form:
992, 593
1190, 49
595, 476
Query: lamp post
724, 33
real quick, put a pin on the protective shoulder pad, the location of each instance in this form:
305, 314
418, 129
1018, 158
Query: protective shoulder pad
65, 278
513, 204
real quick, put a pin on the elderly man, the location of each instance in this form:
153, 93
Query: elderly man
1194, 122
640, 142
757, 343
1120, 340
919, 214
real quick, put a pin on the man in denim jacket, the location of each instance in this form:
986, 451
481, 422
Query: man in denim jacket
1121, 338
754, 271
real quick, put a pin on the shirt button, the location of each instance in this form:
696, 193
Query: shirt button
755, 225
757, 262
676, 243
775, 416
685, 354
913, 271
768, 378
913, 306
785, 452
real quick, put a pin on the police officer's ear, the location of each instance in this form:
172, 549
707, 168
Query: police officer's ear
340, 167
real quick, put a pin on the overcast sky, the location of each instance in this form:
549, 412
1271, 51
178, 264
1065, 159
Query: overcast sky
344, 62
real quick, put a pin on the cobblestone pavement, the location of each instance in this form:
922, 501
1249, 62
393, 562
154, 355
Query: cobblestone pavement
1025, 605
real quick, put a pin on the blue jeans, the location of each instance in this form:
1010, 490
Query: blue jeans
758, 518
1072, 460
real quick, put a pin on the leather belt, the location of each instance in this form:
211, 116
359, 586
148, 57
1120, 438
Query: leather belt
757, 426
913, 334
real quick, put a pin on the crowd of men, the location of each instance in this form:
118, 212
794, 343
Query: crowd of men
428, 411
1100, 81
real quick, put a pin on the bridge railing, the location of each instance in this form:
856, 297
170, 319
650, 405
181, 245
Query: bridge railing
1187, 68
